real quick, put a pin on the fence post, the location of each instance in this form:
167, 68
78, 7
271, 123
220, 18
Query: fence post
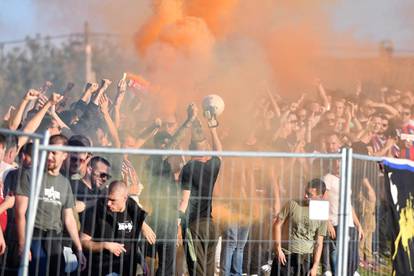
344, 212
35, 184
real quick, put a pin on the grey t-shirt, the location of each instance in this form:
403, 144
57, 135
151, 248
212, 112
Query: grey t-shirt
302, 230
55, 195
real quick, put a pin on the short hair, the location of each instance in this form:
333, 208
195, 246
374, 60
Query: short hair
11, 141
79, 141
26, 149
333, 133
195, 145
338, 99
3, 140
318, 185
58, 139
96, 159
117, 184
160, 137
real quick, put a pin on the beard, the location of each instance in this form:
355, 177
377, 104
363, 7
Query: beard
51, 165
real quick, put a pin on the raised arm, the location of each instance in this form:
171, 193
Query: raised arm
147, 133
275, 106
179, 134
34, 123
370, 191
18, 117
55, 116
322, 94
90, 88
388, 108
122, 85
104, 105
216, 143
104, 86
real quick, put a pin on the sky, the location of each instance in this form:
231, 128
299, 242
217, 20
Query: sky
372, 20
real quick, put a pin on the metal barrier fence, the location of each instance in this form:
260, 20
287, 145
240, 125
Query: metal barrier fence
252, 187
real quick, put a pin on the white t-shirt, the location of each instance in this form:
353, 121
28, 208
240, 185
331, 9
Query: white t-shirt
5, 168
332, 183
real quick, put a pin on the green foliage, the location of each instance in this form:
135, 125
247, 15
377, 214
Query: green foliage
39, 59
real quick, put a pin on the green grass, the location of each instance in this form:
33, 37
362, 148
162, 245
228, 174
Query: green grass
381, 270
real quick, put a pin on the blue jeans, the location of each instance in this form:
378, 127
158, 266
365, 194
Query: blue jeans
231, 258
330, 251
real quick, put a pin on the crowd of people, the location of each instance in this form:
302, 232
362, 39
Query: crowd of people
94, 216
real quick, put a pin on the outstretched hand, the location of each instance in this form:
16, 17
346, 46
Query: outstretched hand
104, 103
192, 112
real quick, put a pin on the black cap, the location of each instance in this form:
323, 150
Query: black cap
79, 141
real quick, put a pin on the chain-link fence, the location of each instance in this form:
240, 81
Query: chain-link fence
165, 212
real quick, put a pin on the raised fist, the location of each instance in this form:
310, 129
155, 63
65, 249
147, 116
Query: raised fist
92, 87
105, 83
157, 122
122, 85
32, 94
192, 112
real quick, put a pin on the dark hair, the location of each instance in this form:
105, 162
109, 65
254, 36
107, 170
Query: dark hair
79, 141
96, 159
3, 140
160, 137
26, 149
11, 141
58, 139
317, 184
391, 131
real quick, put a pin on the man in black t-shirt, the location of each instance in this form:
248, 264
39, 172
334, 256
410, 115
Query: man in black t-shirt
111, 232
198, 178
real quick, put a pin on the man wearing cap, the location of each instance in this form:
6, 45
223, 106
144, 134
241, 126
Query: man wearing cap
75, 165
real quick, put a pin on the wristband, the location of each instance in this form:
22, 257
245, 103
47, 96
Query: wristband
181, 215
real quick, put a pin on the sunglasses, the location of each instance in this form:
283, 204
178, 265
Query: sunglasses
104, 176
76, 159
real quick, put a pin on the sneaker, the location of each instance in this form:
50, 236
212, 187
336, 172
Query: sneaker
327, 273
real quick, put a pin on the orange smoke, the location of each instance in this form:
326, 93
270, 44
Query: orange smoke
165, 12
138, 80
292, 51
216, 13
